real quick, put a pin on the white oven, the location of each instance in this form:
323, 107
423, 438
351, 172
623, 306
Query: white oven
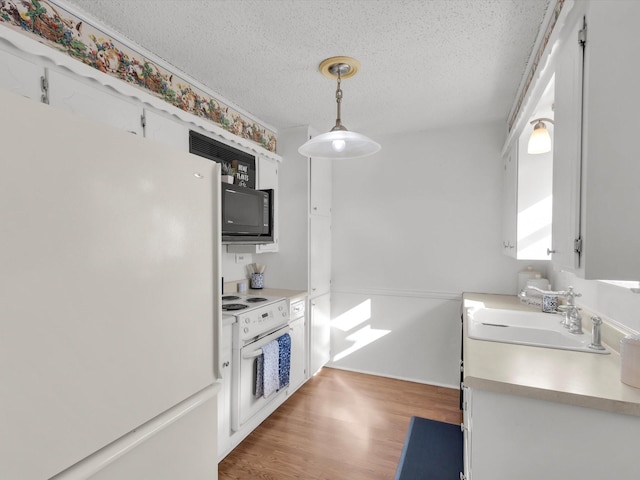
261, 320
248, 403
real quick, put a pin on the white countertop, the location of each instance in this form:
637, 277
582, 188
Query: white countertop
291, 295
576, 378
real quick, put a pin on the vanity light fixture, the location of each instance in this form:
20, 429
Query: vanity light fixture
540, 140
339, 142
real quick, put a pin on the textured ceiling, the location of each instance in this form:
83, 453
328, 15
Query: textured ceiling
425, 63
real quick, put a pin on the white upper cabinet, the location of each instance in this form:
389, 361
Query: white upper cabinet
567, 147
509, 200
163, 129
20, 76
527, 188
319, 254
93, 101
611, 167
321, 170
601, 228
268, 179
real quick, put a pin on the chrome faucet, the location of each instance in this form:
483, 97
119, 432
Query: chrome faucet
596, 341
572, 318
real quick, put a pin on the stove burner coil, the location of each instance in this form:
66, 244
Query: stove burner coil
230, 297
256, 299
233, 306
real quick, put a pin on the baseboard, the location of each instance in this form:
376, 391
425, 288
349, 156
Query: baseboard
405, 379
387, 292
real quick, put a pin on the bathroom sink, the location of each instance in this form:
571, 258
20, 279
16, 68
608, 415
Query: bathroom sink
525, 328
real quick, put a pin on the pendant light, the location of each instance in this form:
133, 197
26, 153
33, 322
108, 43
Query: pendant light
339, 142
540, 140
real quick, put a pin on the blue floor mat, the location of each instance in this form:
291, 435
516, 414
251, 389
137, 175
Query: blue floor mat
432, 451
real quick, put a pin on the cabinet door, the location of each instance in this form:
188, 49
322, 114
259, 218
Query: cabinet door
567, 151
165, 130
320, 254
319, 332
611, 167
224, 396
20, 76
509, 200
94, 102
298, 352
268, 179
321, 170
466, 429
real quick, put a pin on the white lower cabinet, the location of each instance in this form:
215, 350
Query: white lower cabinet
298, 352
319, 332
509, 436
466, 430
224, 397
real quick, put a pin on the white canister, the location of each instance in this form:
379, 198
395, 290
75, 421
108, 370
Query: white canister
630, 360
538, 282
526, 274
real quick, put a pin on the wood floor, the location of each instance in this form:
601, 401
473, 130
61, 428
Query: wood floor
339, 425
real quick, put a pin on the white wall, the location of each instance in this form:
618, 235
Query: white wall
611, 302
414, 227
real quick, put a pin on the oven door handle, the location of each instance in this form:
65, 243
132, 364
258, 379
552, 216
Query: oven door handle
258, 352
254, 354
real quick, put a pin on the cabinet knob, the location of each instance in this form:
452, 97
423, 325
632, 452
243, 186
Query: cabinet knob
549, 251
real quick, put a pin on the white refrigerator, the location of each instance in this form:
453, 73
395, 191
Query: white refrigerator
109, 302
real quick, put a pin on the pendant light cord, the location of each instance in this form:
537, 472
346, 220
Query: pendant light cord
339, 125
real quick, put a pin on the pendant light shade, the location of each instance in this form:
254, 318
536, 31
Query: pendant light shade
540, 140
339, 142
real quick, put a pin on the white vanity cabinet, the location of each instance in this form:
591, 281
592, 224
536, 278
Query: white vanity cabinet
595, 199
509, 436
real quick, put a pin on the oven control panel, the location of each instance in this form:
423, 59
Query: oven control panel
263, 319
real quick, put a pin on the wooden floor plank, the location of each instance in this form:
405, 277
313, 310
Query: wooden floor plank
339, 425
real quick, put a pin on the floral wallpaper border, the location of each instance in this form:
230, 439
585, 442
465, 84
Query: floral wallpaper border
55, 27
536, 60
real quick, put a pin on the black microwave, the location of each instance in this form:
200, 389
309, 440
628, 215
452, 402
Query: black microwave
247, 215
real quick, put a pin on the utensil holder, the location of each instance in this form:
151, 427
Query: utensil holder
257, 280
